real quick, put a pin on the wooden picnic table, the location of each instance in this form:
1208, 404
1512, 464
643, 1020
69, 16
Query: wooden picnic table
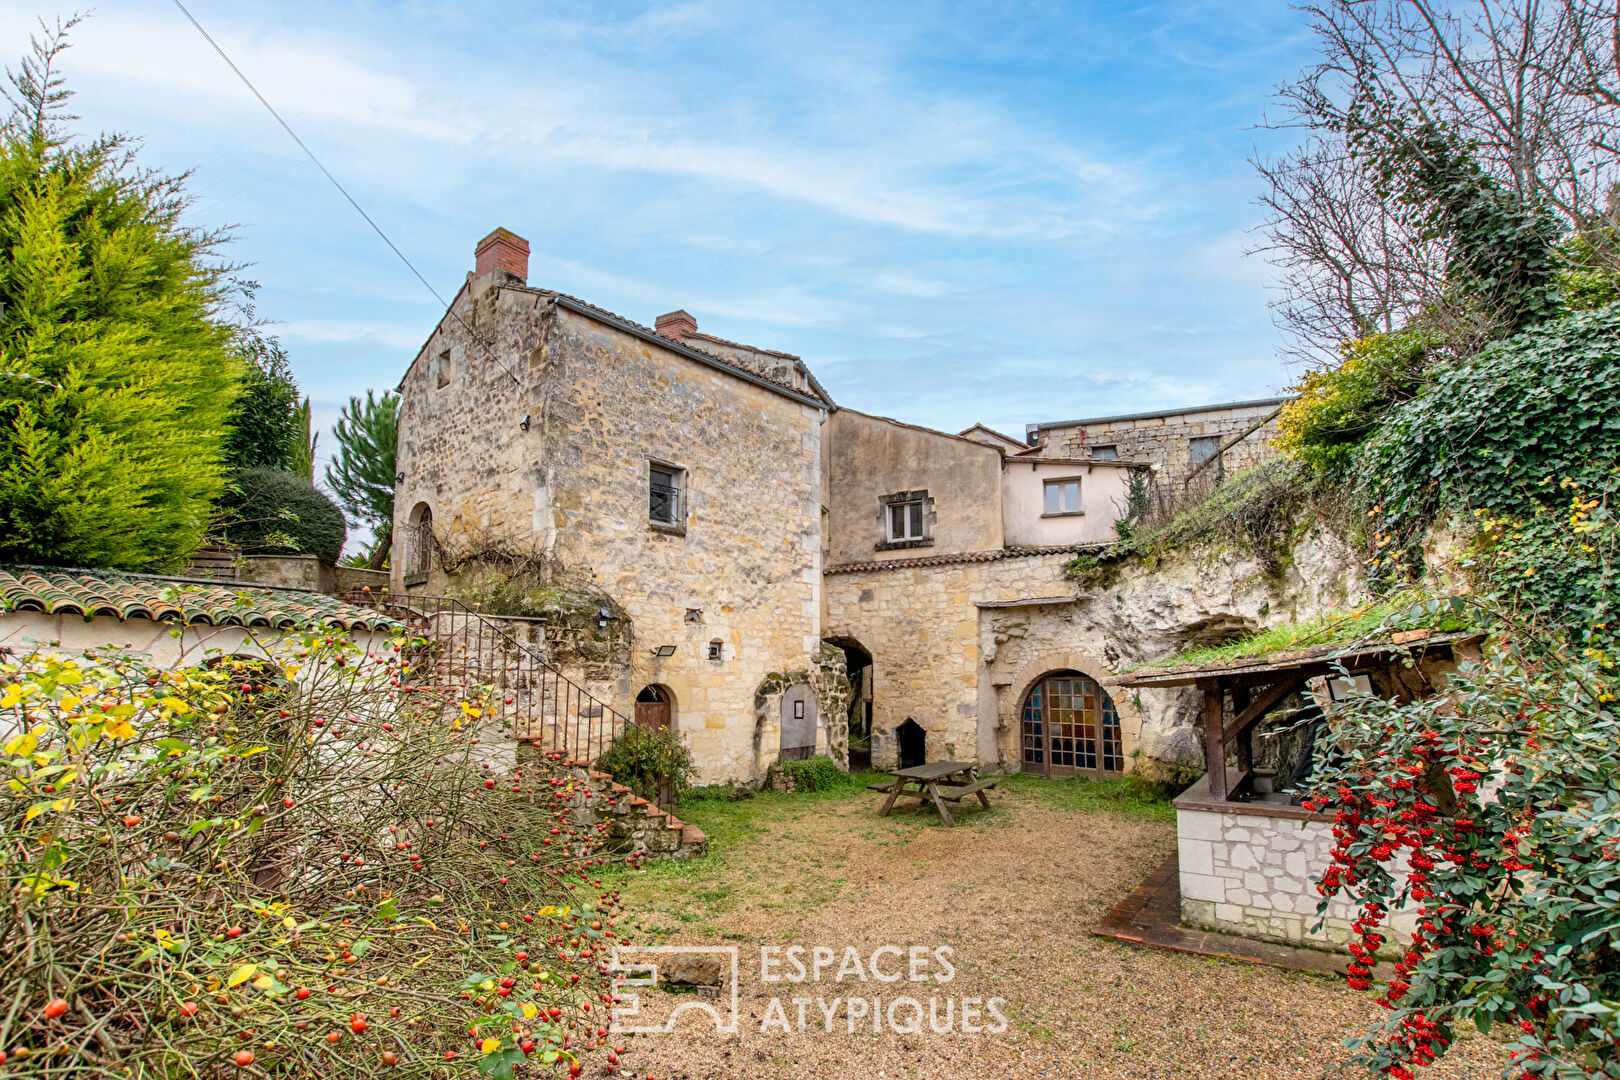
938, 782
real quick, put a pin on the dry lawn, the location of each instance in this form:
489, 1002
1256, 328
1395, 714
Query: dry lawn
1013, 891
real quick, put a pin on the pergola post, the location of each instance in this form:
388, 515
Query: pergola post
1214, 736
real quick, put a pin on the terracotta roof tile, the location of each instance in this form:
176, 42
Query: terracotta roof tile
962, 557
145, 596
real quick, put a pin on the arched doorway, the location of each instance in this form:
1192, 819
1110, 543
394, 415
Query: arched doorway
1070, 727
858, 666
418, 554
911, 743
654, 706
798, 723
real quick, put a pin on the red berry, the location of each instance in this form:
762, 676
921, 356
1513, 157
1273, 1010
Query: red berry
234, 932
303, 992
287, 803
357, 1024
243, 1058
131, 820
54, 1008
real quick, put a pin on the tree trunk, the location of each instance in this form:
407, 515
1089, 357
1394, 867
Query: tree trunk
379, 554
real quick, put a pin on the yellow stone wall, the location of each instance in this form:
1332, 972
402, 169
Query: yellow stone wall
573, 490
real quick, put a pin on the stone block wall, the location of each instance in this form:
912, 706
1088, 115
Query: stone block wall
1165, 439
1255, 873
537, 435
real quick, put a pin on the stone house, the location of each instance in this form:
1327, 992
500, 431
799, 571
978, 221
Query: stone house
799, 577
1234, 435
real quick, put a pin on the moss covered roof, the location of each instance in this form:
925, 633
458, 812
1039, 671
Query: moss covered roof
143, 596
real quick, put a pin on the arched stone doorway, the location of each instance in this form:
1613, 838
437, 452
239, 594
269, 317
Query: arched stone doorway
655, 707
417, 554
798, 723
858, 666
1069, 726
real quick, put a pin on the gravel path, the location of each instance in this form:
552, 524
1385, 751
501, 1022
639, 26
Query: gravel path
1012, 892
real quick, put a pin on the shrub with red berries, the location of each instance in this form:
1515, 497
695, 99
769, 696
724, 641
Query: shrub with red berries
1491, 813
295, 866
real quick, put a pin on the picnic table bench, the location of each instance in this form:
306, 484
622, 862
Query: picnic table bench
938, 782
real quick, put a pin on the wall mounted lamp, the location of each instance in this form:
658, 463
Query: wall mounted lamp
663, 652
523, 424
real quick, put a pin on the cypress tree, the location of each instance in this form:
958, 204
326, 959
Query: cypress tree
117, 371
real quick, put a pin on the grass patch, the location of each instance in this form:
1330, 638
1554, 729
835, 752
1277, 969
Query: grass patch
1407, 610
1125, 796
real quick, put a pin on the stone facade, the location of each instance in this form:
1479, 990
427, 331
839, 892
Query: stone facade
957, 645
536, 430
530, 425
1175, 441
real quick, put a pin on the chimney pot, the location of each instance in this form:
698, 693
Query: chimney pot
502, 250
676, 324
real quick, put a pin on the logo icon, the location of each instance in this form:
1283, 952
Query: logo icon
629, 969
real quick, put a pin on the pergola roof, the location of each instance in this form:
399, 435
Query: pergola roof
1302, 663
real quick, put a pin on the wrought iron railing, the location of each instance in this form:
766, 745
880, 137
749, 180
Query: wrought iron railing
666, 504
464, 647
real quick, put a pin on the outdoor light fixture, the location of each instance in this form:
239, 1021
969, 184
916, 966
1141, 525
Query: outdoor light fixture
602, 617
664, 651
524, 423
399, 478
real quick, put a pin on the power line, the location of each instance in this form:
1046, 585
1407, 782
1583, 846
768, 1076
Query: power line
342, 190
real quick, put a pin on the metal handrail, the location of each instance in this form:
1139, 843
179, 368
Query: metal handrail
553, 711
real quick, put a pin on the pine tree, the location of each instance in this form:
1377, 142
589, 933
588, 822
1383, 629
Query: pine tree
362, 474
117, 374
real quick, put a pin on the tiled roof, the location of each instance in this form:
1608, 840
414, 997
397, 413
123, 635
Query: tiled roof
962, 557
144, 596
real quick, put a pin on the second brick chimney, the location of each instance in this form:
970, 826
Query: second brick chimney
676, 325
502, 250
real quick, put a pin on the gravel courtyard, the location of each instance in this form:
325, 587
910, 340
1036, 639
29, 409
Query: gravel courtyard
1013, 892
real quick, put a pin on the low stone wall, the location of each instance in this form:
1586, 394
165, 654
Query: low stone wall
1253, 870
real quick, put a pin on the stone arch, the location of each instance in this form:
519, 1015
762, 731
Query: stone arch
1008, 720
861, 668
829, 685
419, 542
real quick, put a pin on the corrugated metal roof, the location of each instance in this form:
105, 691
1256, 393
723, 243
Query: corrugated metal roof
1255, 404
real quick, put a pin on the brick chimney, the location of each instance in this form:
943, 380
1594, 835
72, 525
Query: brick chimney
502, 250
676, 324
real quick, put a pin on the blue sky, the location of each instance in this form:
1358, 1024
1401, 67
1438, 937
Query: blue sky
1005, 213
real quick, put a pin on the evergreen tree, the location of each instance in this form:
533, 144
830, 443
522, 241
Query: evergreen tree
265, 426
362, 474
116, 372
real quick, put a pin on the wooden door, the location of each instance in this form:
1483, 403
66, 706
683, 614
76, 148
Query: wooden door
652, 708
798, 723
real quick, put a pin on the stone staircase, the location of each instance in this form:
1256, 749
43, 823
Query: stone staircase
634, 823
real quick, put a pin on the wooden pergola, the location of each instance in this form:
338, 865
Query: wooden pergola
1238, 694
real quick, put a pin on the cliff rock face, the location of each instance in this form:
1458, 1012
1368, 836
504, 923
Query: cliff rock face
1206, 595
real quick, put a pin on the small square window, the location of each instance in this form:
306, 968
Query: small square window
1062, 497
1105, 453
1203, 447
666, 495
441, 370
717, 650
905, 521
694, 616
